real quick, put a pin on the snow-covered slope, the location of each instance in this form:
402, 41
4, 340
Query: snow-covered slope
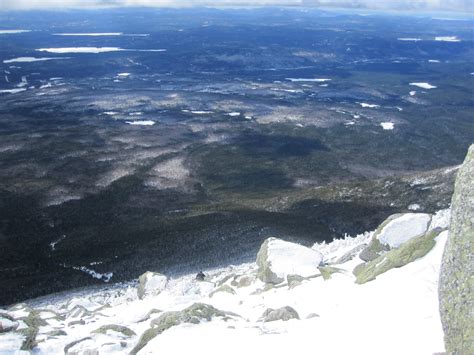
397, 313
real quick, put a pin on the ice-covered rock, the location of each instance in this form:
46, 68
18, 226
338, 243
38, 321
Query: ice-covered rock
151, 283
277, 258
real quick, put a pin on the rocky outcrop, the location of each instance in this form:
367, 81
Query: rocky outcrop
394, 231
276, 259
406, 253
151, 283
283, 313
456, 293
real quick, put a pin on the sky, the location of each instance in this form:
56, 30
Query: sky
430, 5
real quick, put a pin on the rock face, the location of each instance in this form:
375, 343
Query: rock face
394, 231
277, 259
151, 283
456, 293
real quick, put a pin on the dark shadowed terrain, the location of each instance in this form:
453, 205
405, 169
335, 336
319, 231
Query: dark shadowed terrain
303, 124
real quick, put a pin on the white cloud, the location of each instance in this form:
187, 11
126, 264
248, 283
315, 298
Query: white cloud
462, 5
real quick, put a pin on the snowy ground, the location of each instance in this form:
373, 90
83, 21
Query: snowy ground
397, 313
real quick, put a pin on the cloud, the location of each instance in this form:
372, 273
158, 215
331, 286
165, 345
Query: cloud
458, 5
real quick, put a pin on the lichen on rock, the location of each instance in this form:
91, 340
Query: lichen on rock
406, 253
456, 289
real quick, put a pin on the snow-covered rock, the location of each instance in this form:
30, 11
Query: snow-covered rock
277, 259
151, 283
404, 228
394, 231
7, 323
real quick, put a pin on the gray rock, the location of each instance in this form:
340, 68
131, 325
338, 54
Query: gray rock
284, 313
193, 314
223, 288
456, 291
278, 258
294, 280
151, 283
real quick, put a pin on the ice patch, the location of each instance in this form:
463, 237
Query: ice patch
233, 114
412, 93
123, 75
426, 86
141, 123
387, 125
433, 61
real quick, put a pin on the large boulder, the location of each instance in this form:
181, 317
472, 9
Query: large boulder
456, 291
395, 231
406, 253
151, 283
277, 259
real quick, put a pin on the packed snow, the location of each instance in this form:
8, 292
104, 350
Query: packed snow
90, 34
426, 86
141, 123
31, 59
297, 80
410, 39
366, 105
95, 50
9, 32
447, 39
12, 91
96, 275
387, 125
